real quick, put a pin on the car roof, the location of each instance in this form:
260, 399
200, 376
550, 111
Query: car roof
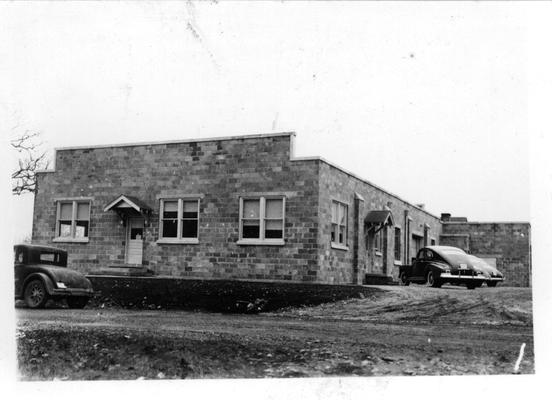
37, 247
441, 248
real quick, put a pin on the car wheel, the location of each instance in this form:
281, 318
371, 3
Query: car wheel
470, 286
35, 294
431, 281
491, 284
77, 302
403, 279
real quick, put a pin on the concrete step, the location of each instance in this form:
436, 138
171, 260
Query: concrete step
378, 279
125, 270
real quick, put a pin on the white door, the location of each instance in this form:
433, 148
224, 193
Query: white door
134, 243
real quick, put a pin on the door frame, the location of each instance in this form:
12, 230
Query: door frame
127, 236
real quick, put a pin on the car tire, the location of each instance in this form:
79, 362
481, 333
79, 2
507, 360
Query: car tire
77, 302
35, 294
470, 286
491, 284
403, 279
431, 280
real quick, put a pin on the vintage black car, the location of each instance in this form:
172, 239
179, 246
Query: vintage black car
495, 276
41, 273
436, 265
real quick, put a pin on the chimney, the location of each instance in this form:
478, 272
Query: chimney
445, 217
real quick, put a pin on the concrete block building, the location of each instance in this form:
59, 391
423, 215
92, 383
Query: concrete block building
241, 207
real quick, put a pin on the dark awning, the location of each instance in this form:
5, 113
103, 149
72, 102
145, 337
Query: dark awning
128, 202
379, 218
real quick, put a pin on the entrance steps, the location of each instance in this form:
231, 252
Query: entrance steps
125, 270
379, 279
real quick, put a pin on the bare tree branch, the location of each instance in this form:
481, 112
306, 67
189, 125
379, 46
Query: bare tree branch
24, 177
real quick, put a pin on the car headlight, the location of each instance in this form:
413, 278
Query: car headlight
61, 285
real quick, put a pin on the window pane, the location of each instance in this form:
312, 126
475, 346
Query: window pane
81, 229
65, 228
397, 244
136, 233
274, 208
48, 257
342, 214
170, 209
334, 212
66, 211
189, 209
251, 208
342, 234
170, 228
334, 232
273, 230
83, 210
250, 229
189, 228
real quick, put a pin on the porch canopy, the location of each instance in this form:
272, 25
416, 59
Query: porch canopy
128, 206
377, 219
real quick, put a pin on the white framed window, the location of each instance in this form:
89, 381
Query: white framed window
72, 221
178, 220
378, 241
397, 244
339, 224
262, 220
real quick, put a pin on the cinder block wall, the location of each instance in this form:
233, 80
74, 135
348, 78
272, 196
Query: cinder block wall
219, 170
336, 265
507, 242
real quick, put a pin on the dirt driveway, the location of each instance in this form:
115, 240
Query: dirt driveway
407, 331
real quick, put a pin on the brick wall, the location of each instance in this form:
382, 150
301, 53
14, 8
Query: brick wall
336, 265
219, 170
507, 243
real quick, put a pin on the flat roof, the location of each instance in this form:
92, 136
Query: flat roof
178, 141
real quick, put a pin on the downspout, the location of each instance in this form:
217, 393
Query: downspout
356, 238
407, 220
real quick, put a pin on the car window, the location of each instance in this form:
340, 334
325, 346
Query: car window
19, 256
421, 255
49, 257
429, 255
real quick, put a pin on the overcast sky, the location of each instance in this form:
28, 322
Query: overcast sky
426, 100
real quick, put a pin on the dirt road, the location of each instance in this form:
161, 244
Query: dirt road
408, 331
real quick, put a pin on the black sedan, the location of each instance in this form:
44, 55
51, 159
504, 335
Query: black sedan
41, 273
436, 265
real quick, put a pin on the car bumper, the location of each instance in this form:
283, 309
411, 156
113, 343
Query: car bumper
462, 278
495, 279
73, 292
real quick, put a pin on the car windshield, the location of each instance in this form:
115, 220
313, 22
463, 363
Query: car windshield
455, 256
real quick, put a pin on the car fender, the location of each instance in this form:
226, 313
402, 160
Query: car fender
407, 269
48, 284
437, 267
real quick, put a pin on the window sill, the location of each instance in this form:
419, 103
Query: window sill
177, 241
70, 240
397, 262
378, 253
259, 242
339, 246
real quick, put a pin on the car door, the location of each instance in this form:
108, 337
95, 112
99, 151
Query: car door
418, 268
19, 270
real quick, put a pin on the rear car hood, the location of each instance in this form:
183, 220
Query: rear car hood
468, 266
71, 278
